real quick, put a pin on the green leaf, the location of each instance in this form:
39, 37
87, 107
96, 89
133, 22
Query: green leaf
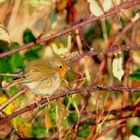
66, 103
71, 106
13, 90
123, 22
52, 111
36, 48
84, 129
92, 32
135, 96
5, 67
72, 117
84, 124
84, 133
135, 75
33, 53
52, 115
4, 46
66, 100
16, 60
136, 130
17, 121
107, 29
28, 36
38, 132
76, 99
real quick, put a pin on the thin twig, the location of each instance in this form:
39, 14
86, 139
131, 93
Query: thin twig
105, 51
65, 93
120, 34
13, 98
125, 5
116, 112
108, 50
114, 125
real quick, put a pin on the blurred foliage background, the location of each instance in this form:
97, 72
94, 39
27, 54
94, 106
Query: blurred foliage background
78, 116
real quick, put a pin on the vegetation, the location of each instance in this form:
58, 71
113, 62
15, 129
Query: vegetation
99, 97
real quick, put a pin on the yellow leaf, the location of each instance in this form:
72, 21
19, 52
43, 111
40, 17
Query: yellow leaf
118, 71
9, 109
24, 130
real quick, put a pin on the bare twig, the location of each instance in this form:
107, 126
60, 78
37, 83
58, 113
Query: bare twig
125, 5
91, 53
115, 124
105, 51
120, 34
119, 122
65, 93
13, 98
116, 112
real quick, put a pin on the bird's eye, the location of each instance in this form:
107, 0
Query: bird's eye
60, 66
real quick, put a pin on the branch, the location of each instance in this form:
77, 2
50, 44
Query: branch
125, 5
120, 34
116, 112
65, 93
105, 51
109, 128
89, 53
118, 121
13, 98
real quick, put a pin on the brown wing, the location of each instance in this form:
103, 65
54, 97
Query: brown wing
37, 66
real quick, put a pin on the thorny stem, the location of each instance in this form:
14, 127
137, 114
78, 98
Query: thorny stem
65, 93
112, 11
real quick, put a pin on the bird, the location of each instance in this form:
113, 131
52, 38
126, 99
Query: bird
43, 76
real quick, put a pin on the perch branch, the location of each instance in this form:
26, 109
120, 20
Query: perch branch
65, 93
90, 53
112, 11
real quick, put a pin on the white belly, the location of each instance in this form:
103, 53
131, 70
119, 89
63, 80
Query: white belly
44, 87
